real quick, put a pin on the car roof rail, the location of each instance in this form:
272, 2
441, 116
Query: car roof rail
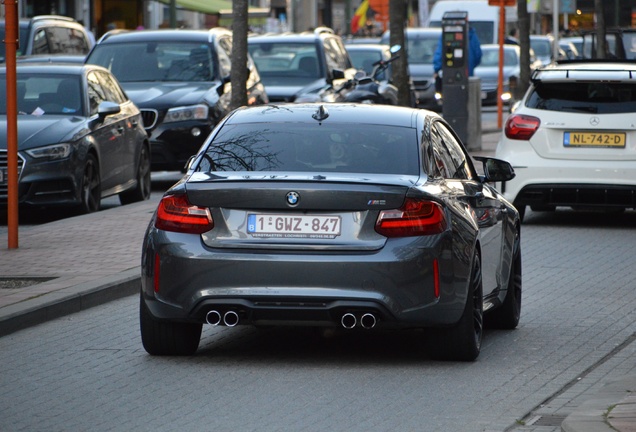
323, 29
55, 17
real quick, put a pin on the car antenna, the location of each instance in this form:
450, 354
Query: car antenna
321, 114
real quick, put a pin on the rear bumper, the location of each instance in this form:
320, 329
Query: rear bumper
395, 284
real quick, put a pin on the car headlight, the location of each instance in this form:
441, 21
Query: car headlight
194, 112
51, 152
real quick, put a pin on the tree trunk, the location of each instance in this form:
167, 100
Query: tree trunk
601, 43
400, 76
524, 46
239, 73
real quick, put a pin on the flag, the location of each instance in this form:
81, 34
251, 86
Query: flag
360, 17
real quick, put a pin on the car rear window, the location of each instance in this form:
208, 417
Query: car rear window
302, 147
585, 97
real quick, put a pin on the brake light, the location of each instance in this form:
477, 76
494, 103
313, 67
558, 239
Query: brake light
521, 127
176, 214
414, 218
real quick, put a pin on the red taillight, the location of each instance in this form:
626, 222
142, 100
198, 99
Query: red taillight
414, 218
175, 213
521, 127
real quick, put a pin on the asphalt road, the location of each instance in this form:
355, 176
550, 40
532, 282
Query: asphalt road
88, 371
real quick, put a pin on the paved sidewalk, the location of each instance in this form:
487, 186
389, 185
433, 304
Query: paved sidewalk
77, 263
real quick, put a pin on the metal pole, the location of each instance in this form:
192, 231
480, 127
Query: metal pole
501, 30
11, 43
555, 28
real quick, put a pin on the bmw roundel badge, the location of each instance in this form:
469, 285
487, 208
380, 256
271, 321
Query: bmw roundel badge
292, 198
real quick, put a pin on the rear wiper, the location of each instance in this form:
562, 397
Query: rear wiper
591, 109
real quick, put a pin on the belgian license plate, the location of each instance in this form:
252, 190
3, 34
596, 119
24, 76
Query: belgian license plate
594, 139
293, 226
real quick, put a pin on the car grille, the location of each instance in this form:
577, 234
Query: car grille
579, 195
149, 117
3, 166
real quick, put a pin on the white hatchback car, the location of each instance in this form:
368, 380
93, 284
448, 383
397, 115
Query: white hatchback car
572, 138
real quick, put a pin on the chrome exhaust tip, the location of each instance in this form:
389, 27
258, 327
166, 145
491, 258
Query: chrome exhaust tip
348, 321
213, 318
230, 318
368, 321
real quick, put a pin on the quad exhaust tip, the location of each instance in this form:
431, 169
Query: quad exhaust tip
367, 321
229, 318
213, 318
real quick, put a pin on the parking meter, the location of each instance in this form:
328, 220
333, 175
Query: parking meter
455, 71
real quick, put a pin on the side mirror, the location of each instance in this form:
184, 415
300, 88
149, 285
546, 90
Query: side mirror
336, 74
496, 170
107, 108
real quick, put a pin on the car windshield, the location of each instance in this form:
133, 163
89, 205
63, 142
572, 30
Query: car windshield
39, 94
156, 61
289, 60
365, 60
421, 49
586, 97
490, 57
326, 148
23, 33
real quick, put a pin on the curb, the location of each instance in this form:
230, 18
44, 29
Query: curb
69, 300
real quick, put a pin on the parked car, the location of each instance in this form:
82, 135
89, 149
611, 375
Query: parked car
80, 139
572, 139
543, 48
366, 57
291, 64
49, 35
488, 72
569, 48
577, 41
180, 81
421, 44
355, 216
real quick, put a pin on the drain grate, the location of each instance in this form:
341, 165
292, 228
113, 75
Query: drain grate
547, 420
20, 282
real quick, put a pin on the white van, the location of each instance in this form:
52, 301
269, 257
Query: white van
482, 17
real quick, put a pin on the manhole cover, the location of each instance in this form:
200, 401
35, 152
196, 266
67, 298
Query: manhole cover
17, 283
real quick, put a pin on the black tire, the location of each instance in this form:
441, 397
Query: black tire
167, 337
142, 190
463, 341
506, 317
91, 187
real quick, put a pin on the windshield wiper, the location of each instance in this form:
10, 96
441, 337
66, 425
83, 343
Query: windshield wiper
590, 109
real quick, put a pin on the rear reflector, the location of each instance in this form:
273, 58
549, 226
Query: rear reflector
176, 214
414, 218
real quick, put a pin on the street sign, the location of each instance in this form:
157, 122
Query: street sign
502, 2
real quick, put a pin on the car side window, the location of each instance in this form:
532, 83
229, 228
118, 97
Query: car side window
224, 54
440, 164
455, 152
335, 55
40, 42
112, 91
96, 93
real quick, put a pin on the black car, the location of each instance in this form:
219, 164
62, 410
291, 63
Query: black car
80, 138
292, 64
179, 79
49, 35
350, 216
